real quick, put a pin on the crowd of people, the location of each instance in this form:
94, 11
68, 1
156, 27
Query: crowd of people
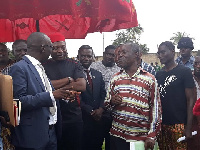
70, 104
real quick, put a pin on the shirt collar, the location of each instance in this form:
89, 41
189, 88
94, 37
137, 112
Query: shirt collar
139, 71
87, 69
34, 61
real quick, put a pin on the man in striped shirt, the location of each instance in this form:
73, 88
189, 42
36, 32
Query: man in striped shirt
134, 99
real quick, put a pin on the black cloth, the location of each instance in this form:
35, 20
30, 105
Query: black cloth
118, 144
172, 85
72, 137
55, 70
52, 144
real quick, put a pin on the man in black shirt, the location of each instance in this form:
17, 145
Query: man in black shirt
66, 72
177, 98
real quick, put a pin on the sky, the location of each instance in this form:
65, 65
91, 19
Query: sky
159, 19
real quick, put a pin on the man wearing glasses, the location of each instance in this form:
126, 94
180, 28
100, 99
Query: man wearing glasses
68, 73
40, 119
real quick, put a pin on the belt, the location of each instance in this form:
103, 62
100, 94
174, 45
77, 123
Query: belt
51, 126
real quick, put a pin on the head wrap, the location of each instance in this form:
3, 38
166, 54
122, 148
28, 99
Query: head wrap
185, 42
55, 37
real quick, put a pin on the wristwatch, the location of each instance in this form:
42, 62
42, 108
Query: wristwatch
70, 80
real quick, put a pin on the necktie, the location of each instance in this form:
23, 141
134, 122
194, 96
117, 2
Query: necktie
89, 79
48, 88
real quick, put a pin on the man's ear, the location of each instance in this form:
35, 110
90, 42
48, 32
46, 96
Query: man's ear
42, 49
138, 54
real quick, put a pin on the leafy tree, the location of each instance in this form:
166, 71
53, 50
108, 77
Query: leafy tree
177, 36
131, 34
11, 56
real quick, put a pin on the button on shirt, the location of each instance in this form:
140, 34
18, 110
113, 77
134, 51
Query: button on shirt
139, 115
35, 62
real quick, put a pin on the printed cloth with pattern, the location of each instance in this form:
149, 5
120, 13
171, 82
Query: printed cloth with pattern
188, 64
140, 117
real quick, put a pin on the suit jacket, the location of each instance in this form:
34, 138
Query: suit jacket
91, 100
32, 132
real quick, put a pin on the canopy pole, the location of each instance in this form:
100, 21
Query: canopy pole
37, 26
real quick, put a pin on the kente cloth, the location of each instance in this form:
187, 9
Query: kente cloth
167, 139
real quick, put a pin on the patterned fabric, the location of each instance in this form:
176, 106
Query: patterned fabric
6, 69
167, 140
107, 72
197, 88
189, 63
148, 68
139, 116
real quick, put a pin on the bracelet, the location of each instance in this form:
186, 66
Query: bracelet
70, 80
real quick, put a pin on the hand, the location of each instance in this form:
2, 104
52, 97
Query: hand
97, 113
72, 95
149, 144
61, 93
116, 99
187, 133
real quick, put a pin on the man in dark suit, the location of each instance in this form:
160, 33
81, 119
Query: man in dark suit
92, 101
40, 114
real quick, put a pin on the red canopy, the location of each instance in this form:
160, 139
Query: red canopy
73, 18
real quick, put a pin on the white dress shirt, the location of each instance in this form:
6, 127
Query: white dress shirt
35, 62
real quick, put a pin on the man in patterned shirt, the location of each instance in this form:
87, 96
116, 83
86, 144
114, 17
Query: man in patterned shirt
134, 99
185, 45
108, 68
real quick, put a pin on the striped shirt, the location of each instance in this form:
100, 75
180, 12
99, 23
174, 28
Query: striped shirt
140, 117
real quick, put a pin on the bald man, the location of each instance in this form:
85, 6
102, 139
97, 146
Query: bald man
40, 117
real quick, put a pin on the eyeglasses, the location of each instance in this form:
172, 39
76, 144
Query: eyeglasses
56, 48
20, 50
42, 46
50, 46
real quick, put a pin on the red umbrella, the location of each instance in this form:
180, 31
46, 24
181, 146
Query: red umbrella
73, 18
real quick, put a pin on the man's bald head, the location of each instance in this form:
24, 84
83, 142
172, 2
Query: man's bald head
38, 38
39, 46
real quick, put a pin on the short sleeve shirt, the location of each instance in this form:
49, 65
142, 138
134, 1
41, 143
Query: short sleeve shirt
172, 85
189, 63
56, 70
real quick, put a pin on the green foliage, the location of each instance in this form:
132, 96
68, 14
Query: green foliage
177, 36
131, 34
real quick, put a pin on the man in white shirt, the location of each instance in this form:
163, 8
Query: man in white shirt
40, 120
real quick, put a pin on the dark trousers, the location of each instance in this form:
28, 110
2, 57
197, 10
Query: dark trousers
51, 145
118, 144
107, 124
92, 135
71, 136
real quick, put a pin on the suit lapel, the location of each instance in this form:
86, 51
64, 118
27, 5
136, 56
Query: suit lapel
35, 72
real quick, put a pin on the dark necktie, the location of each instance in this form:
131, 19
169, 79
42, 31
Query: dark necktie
89, 79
